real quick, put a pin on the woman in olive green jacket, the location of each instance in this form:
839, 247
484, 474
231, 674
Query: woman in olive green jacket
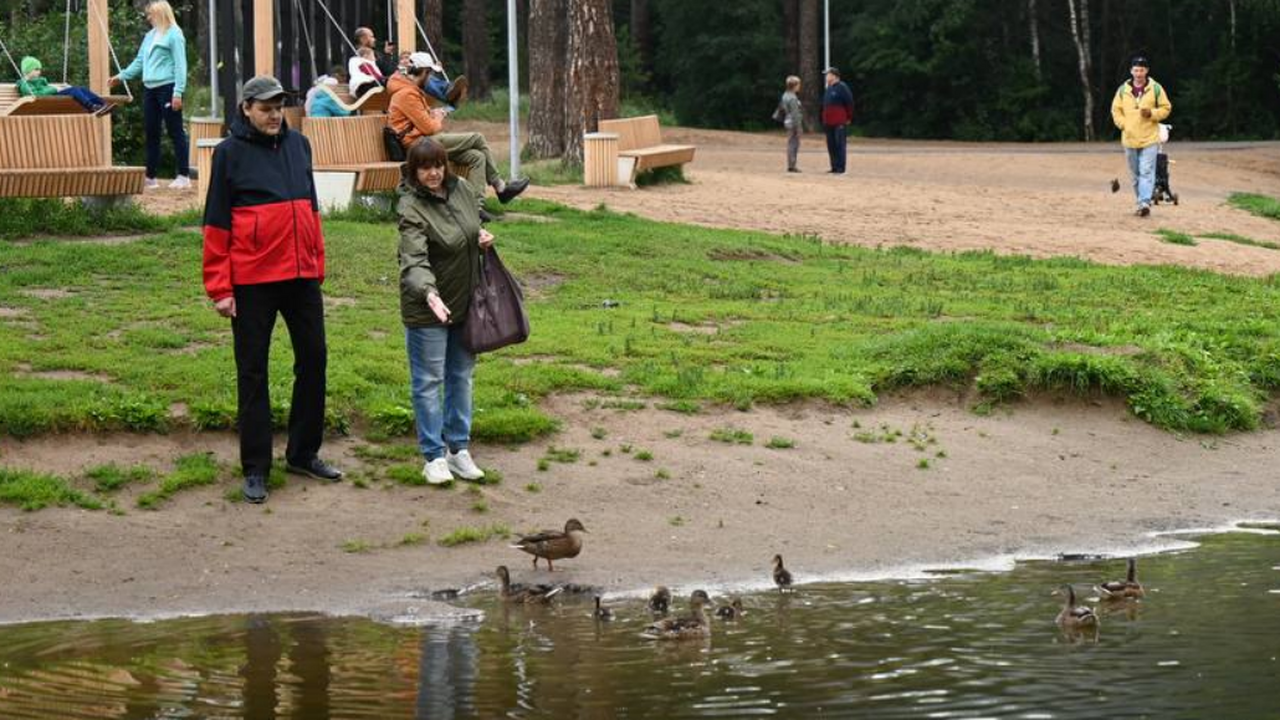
440, 244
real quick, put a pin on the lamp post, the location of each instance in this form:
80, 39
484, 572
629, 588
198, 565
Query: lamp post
513, 81
826, 32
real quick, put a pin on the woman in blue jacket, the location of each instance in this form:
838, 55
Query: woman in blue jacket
162, 63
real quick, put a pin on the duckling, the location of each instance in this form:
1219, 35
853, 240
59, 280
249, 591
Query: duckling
732, 611
553, 544
781, 576
602, 614
1123, 589
1076, 617
660, 600
527, 594
690, 627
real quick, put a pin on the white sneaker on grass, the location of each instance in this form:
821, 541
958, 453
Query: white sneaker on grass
463, 466
437, 472
151, 184
182, 182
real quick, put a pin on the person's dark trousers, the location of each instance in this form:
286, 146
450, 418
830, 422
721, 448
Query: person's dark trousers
837, 146
155, 114
302, 306
88, 99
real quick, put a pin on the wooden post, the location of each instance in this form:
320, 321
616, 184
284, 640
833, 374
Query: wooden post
99, 52
406, 31
264, 38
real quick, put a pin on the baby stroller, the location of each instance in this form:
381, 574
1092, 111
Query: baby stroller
1162, 192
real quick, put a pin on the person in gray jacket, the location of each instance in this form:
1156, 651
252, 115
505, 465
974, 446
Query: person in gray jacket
793, 120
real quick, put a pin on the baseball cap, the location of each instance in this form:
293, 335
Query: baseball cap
833, 70
262, 87
424, 60
1140, 61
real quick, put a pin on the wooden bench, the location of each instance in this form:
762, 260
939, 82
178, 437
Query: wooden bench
375, 101
61, 156
641, 138
12, 103
352, 144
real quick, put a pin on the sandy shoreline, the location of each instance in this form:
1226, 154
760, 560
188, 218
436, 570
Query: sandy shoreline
1038, 479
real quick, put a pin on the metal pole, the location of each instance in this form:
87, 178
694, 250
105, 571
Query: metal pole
826, 32
513, 81
215, 109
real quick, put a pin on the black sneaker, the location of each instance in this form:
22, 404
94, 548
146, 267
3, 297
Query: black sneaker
796, 170
513, 190
1144, 211
255, 489
317, 468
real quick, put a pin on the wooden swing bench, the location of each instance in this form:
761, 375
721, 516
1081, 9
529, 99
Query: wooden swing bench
352, 144
641, 138
12, 103
61, 156
375, 101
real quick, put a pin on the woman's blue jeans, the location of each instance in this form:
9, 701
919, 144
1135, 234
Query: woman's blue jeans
440, 370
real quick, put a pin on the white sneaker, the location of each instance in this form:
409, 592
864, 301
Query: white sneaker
437, 472
462, 464
182, 182
151, 184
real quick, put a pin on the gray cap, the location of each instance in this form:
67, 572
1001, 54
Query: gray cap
262, 87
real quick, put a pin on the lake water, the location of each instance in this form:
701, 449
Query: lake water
1204, 643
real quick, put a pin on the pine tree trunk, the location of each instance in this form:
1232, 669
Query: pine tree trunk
809, 70
475, 47
1079, 20
548, 39
1033, 25
791, 32
642, 33
592, 80
433, 24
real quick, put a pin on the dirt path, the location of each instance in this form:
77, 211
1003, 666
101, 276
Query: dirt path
1038, 200
1047, 478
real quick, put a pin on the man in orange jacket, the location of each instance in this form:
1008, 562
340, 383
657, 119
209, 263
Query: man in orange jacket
412, 118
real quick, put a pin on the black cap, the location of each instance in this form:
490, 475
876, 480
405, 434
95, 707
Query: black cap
1140, 61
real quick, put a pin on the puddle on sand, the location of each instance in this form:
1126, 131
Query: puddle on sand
1204, 643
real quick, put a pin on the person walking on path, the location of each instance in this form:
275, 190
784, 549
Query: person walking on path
1139, 106
162, 63
411, 117
263, 256
837, 113
440, 244
793, 120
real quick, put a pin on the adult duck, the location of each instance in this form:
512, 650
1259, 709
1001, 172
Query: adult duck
552, 545
1076, 617
1126, 589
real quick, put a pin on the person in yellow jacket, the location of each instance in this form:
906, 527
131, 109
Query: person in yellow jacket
1140, 105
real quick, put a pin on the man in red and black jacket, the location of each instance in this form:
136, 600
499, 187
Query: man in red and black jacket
263, 256
837, 113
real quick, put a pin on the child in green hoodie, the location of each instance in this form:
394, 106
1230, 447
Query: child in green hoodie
33, 84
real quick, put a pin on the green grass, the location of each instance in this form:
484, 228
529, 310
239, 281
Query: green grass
34, 491
533, 487
1173, 237
732, 436
808, 321
1260, 205
780, 443
34, 217
496, 108
644, 456
562, 455
190, 471
1241, 240
413, 538
112, 477
356, 547
464, 535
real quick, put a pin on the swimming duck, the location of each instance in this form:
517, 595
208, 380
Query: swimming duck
519, 593
1123, 589
694, 626
1076, 617
732, 611
660, 600
781, 576
553, 544
603, 614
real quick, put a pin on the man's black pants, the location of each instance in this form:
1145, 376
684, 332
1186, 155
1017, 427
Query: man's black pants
837, 146
302, 306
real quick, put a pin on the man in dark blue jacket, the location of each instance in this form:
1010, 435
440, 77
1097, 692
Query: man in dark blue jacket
837, 113
264, 256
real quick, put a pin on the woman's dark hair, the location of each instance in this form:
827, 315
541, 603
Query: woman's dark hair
427, 153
